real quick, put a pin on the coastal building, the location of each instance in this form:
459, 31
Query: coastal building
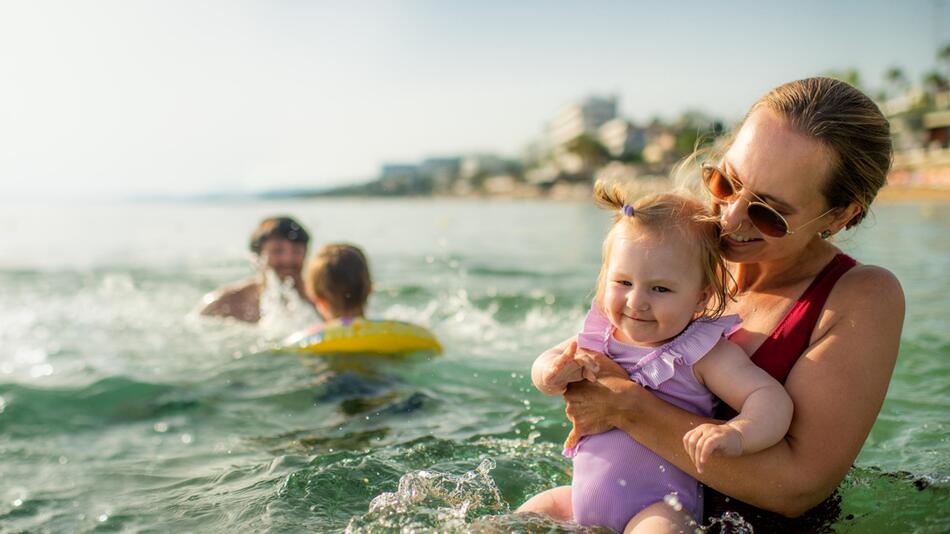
620, 137
659, 147
475, 165
442, 171
937, 125
583, 117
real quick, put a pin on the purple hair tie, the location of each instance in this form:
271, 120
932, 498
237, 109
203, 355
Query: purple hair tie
627, 210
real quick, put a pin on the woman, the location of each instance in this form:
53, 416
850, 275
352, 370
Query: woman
805, 164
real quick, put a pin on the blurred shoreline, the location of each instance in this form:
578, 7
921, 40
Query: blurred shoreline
911, 193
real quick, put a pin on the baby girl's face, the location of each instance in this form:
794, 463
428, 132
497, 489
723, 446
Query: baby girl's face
653, 287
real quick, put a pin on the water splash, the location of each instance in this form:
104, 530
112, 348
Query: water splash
728, 523
283, 311
428, 500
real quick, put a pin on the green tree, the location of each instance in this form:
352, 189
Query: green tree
943, 57
934, 81
852, 76
590, 150
897, 82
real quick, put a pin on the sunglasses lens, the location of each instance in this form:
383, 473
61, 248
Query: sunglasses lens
767, 221
718, 184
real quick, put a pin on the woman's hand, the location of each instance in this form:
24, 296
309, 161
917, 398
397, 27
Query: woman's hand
591, 406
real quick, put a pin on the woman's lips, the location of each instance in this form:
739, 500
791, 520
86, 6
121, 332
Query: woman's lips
733, 243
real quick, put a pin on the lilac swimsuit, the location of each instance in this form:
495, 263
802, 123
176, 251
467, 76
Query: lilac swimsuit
615, 477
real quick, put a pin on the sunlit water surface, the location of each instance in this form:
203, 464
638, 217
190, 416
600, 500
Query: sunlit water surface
120, 410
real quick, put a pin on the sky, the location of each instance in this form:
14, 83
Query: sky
128, 97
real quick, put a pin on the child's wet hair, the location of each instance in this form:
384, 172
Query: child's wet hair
663, 213
339, 274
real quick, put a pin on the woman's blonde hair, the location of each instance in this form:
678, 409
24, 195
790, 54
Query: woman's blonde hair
844, 121
665, 213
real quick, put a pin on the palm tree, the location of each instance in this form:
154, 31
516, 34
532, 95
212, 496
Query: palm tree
852, 76
896, 81
943, 57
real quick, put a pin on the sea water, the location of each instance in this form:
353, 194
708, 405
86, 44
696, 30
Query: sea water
120, 410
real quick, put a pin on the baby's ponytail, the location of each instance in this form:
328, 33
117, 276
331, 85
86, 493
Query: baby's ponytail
611, 195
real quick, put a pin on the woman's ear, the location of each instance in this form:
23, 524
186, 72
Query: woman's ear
843, 217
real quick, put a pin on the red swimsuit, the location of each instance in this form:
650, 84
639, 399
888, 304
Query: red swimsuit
777, 355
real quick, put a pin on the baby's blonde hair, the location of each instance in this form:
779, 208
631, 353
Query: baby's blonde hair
664, 213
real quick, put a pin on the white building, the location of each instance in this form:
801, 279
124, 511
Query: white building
620, 136
482, 164
582, 117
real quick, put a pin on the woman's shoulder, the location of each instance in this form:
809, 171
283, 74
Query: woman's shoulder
864, 284
866, 294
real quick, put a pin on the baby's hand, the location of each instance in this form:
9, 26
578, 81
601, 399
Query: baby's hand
702, 441
562, 371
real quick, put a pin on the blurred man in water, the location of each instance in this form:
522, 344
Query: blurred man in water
279, 244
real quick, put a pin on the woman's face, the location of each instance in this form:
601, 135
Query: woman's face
787, 170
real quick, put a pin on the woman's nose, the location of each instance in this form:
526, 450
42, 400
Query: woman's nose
732, 214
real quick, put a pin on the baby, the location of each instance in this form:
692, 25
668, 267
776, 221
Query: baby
657, 312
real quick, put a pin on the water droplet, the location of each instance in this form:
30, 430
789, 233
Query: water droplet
17, 503
160, 427
63, 460
103, 518
186, 438
662, 468
673, 501
622, 482
527, 403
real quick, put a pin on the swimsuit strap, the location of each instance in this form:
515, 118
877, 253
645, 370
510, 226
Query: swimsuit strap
793, 334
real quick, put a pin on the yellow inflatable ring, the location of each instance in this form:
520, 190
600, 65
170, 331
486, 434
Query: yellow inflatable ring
363, 335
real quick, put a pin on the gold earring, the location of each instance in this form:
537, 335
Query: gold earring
825, 234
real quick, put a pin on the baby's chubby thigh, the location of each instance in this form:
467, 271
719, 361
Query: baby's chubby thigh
660, 517
615, 478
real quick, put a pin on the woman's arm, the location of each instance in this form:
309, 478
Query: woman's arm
837, 387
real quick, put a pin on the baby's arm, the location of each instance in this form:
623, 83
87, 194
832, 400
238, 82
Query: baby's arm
765, 409
557, 367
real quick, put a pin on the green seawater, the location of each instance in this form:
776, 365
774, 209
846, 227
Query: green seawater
122, 411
